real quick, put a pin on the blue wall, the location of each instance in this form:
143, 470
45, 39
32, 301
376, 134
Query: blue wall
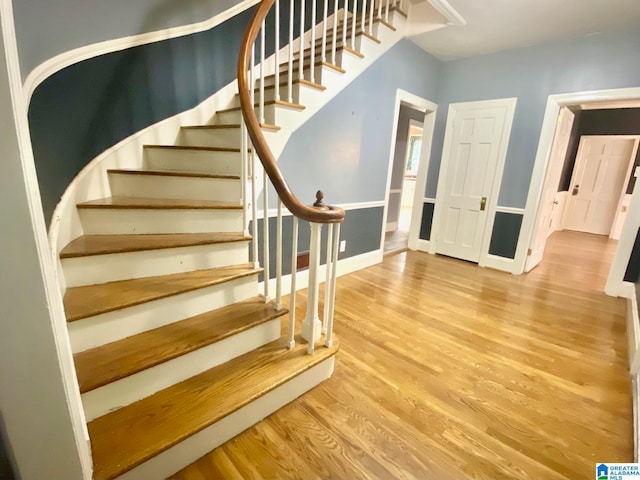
48, 28
344, 148
592, 62
86, 108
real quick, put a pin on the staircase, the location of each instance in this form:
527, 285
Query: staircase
177, 348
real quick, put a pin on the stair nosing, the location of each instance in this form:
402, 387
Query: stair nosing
200, 424
174, 173
190, 147
281, 103
154, 204
88, 313
197, 240
270, 312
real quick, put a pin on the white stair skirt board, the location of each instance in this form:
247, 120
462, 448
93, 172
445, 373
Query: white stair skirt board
130, 389
142, 185
197, 161
140, 220
94, 269
194, 447
347, 60
111, 326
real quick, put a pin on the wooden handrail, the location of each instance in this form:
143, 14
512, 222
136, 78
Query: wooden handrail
297, 208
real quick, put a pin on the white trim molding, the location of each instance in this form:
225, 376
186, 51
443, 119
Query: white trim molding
66, 59
514, 210
554, 103
428, 200
446, 10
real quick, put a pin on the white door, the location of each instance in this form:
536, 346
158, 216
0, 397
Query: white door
550, 188
599, 176
474, 146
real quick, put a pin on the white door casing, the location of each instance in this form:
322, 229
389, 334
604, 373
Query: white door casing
548, 201
473, 157
602, 167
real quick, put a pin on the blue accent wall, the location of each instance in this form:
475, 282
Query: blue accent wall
48, 28
344, 149
88, 107
599, 61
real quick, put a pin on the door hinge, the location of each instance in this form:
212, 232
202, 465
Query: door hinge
529, 252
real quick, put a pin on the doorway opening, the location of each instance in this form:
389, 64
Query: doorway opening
589, 184
404, 175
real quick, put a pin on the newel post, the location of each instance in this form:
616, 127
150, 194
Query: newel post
311, 325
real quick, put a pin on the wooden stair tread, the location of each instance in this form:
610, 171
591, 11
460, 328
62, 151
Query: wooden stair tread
127, 437
199, 148
285, 66
113, 361
156, 203
173, 173
88, 245
89, 300
308, 83
282, 103
318, 53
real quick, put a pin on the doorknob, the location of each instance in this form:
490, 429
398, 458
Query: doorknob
575, 190
483, 204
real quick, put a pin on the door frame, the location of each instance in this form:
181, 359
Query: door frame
430, 109
628, 169
509, 104
615, 285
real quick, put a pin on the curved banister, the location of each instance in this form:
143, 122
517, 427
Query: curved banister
297, 208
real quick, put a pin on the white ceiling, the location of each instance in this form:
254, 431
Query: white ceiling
494, 25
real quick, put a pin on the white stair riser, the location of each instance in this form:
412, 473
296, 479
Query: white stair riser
125, 391
189, 450
173, 187
273, 115
198, 161
347, 60
125, 221
112, 326
365, 45
211, 137
301, 94
96, 269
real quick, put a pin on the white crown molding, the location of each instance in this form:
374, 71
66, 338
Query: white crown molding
448, 12
66, 59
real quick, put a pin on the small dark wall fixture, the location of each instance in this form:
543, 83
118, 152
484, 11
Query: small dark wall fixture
506, 231
427, 221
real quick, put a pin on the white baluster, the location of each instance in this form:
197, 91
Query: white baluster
312, 75
324, 31
277, 50
332, 285
279, 256
327, 290
265, 234
290, 70
354, 19
311, 326
371, 9
292, 298
386, 12
262, 57
379, 8
335, 33
364, 15
301, 49
244, 159
254, 173
345, 24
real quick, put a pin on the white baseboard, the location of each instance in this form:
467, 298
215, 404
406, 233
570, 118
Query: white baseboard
346, 266
499, 263
421, 245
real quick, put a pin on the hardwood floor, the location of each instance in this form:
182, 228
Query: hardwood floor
448, 370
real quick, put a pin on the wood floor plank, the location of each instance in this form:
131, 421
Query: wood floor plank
449, 370
87, 245
123, 439
90, 300
113, 361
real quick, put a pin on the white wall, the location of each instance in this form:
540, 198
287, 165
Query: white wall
33, 404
